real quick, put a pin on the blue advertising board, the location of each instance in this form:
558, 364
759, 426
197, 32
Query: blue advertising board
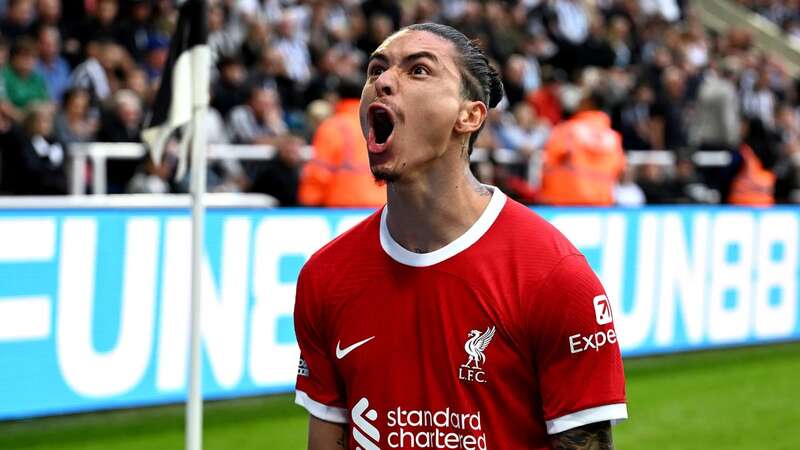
94, 302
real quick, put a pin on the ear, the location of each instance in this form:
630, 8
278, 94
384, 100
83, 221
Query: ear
471, 116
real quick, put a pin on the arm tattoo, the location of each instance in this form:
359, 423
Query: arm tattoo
594, 436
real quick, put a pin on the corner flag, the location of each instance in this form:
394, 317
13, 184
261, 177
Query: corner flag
184, 83
182, 101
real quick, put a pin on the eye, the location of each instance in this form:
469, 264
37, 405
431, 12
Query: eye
419, 69
375, 71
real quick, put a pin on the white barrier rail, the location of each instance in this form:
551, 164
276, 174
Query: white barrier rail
100, 152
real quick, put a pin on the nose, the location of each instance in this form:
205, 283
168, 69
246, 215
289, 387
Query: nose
385, 84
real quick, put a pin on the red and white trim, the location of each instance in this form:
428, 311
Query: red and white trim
320, 410
471, 236
615, 413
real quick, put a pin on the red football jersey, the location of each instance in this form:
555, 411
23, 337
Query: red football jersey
494, 341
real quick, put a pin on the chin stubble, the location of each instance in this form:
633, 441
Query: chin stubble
385, 176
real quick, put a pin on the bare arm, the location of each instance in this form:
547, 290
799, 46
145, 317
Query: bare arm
594, 436
324, 435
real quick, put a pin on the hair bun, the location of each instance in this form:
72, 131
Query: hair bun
496, 90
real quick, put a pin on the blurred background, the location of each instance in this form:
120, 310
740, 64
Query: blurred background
609, 103
702, 100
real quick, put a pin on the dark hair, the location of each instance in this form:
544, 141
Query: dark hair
349, 86
24, 46
73, 92
479, 79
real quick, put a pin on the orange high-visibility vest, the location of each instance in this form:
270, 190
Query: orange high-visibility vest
582, 161
754, 185
339, 174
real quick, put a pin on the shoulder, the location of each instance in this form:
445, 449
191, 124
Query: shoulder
345, 251
530, 231
530, 246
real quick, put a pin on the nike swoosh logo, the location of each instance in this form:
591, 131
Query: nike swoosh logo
342, 352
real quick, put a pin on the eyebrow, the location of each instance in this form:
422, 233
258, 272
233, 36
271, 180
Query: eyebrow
407, 59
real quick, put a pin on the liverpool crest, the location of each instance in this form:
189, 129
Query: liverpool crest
475, 346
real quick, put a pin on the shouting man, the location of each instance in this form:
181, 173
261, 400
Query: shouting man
453, 317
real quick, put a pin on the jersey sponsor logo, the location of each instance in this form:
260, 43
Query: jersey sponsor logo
475, 345
602, 310
412, 428
580, 343
302, 368
342, 352
363, 418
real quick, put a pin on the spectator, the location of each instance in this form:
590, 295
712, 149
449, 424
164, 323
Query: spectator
256, 41
754, 182
759, 102
226, 174
583, 160
230, 89
136, 29
151, 178
136, 81
627, 192
98, 74
546, 100
34, 162
526, 133
388, 8
280, 176
18, 22
51, 65
620, 41
22, 84
716, 124
339, 173
514, 76
636, 123
653, 181
155, 56
260, 121
221, 40
572, 21
294, 50
379, 28
122, 124
102, 25
49, 14
669, 112
73, 122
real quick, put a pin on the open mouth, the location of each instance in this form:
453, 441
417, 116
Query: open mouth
381, 121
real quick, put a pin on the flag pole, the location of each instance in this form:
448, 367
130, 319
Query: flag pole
200, 82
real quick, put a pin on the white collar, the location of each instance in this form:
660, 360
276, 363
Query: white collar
478, 229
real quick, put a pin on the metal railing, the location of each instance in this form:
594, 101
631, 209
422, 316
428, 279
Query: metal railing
100, 152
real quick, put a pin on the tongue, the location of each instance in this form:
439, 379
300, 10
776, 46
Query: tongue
372, 145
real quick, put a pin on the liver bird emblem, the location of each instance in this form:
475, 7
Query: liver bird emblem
475, 346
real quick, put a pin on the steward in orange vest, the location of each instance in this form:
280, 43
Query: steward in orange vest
583, 161
339, 173
753, 185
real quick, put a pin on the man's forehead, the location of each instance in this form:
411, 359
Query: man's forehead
407, 42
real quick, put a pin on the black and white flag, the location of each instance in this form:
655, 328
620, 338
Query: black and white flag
184, 83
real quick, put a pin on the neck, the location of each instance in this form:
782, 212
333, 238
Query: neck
436, 207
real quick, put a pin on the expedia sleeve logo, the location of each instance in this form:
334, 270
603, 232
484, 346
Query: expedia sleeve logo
602, 310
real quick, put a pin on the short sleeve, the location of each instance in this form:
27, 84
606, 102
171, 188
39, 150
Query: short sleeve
319, 388
575, 350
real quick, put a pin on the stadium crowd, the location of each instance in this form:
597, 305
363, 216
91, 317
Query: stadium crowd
784, 13
87, 71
